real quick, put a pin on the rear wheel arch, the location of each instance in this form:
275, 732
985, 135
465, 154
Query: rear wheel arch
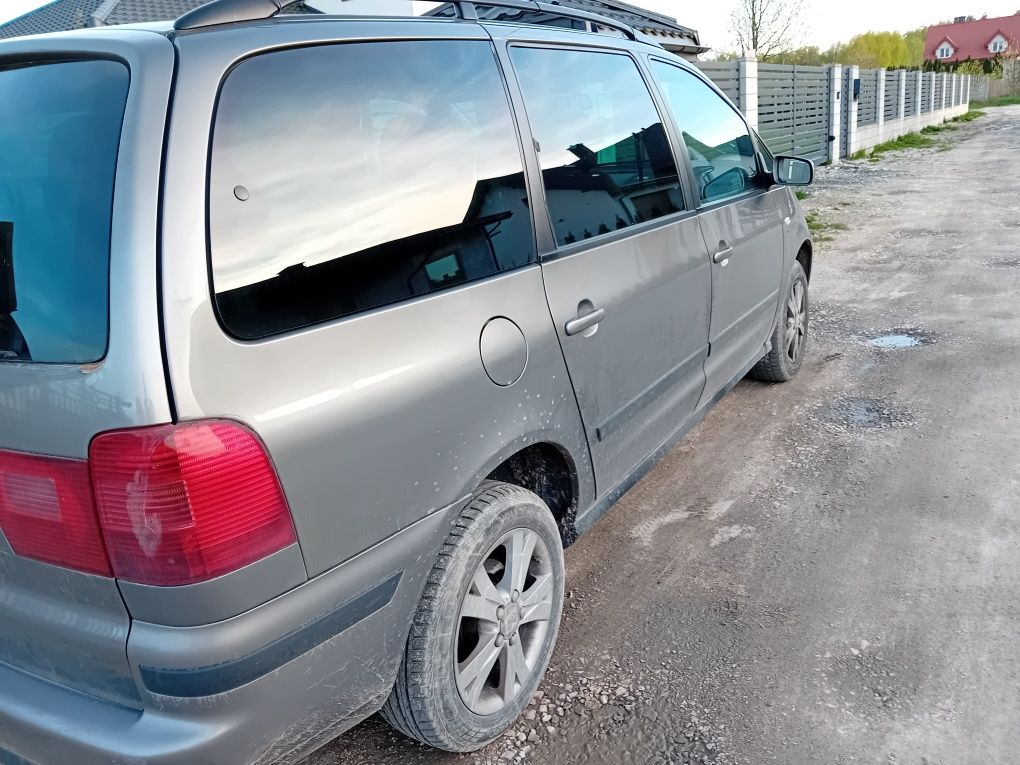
804, 256
549, 471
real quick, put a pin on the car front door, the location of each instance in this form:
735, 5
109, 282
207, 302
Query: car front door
741, 218
628, 280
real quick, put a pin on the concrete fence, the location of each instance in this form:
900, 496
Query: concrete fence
829, 112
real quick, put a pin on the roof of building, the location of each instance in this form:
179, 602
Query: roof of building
61, 15
970, 39
52, 17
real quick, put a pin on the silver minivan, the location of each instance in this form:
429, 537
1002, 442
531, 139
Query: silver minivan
320, 339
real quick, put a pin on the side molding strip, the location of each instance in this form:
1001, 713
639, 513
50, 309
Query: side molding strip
220, 678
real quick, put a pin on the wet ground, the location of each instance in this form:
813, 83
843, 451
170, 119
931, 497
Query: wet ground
826, 571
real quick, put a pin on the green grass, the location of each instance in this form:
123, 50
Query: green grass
801, 194
1001, 101
970, 116
822, 228
936, 129
908, 141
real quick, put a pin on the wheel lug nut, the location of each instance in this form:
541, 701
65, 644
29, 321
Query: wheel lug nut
500, 612
499, 639
513, 638
516, 596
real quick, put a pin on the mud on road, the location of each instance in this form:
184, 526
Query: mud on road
826, 571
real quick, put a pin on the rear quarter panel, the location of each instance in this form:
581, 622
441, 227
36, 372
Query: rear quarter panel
375, 421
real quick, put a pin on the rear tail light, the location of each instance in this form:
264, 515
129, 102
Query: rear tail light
180, 504
167, 505
46, 512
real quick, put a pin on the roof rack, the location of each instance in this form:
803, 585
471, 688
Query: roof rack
229, 11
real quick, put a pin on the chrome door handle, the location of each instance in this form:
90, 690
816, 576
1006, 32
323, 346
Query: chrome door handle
722, 255
586, 322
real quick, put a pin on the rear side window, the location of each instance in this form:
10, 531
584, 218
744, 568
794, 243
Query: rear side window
718, 143
58, 157
606, 161
348, 177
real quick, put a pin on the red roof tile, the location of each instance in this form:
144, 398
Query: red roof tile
970, 39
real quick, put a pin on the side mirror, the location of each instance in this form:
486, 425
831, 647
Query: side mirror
794, 171
730, 183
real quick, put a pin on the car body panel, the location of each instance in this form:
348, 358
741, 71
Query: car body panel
64, 625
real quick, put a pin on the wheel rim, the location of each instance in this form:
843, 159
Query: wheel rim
796, 321
503, 622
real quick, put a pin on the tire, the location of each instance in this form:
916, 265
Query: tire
444, 696
787, 355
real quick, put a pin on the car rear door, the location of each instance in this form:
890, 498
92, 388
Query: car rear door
741, 218
627, 277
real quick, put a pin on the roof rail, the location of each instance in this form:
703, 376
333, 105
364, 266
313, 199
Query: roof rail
466, 10
229, 11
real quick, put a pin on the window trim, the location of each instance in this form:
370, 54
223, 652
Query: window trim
702, 205
368, 312
553, 250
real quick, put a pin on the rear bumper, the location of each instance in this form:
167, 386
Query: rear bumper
262, 687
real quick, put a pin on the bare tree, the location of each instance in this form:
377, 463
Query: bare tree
766, 27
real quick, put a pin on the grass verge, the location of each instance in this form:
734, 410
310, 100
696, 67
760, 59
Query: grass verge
1001, 101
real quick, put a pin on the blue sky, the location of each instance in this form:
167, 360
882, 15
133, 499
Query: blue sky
11, 8
823, 23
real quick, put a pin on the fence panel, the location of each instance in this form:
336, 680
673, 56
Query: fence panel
926, 86
979, 90
910, 107
725, 75
867, 104
940, 89
793, 109
891, 108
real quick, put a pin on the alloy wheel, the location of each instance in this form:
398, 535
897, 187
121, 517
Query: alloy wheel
503, 622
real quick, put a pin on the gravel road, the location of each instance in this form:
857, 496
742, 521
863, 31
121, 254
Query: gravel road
826, 571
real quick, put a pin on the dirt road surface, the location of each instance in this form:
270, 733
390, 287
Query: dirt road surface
826, 571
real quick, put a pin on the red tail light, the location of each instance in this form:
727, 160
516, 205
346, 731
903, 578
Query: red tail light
46, 512
180, 504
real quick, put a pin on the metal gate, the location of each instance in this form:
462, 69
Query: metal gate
793, 109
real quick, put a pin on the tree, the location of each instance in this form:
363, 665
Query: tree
766, 27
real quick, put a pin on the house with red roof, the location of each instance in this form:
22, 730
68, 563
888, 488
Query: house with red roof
973, 40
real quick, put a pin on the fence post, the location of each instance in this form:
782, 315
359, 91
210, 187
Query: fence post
748, 85
920, 91
931, 95
945, 84
851, 112
901, 110
880, 99
835, 112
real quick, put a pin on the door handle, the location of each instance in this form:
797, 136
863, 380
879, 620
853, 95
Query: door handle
722, 255
586, 322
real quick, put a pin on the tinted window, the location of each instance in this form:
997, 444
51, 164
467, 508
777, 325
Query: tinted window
605, 158
348, 177
58, 157
720, 148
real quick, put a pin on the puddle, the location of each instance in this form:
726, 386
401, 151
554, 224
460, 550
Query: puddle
894, 341
867, 413
896, 338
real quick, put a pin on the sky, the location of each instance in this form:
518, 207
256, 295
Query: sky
824, 21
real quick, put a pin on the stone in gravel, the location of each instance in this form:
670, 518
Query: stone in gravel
530, 714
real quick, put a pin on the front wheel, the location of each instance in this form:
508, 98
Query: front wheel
486, 624
789, 340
